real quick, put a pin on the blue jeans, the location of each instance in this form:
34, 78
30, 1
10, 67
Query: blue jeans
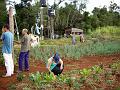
23, 56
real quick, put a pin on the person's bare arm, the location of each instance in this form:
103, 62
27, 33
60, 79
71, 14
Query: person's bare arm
49, 64
18, 42
61, 62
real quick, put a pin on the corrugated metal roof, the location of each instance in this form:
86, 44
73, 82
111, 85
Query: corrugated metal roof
76, 30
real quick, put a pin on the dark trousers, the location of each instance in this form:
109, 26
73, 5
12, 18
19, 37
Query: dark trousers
56, 70
24, 56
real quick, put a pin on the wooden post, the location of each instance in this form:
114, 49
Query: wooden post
11, 20
41, 8
11, 24
52, 26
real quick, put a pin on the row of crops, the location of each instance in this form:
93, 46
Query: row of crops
98, 77
75, 52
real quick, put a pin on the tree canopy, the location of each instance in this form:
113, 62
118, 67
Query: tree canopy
71, 15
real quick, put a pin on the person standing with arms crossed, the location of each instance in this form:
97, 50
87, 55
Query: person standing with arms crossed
7, 38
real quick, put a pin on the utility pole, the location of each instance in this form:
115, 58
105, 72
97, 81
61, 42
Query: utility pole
52, 26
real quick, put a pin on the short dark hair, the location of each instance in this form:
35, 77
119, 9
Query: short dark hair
6, 26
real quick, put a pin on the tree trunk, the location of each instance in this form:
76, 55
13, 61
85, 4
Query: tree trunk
11, 24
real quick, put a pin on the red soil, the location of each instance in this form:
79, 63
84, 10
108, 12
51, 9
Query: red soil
84, 62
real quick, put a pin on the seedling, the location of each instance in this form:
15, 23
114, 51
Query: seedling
69, 82
85, 72
97, 69
49, 77
36, 78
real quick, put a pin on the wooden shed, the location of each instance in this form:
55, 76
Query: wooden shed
73, 30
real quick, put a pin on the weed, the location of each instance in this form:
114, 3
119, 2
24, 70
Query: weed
12, 87
20, 76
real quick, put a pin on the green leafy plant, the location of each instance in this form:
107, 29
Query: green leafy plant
69, 81
85, 72
12, 87
49, 77
115, 68
20, 76
96, 77
61, 78
97, 69
110, 82
77, 85
35, 78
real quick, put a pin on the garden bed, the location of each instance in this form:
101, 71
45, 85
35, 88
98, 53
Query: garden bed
70, 65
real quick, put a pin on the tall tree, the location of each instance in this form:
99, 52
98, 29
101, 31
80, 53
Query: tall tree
3, 13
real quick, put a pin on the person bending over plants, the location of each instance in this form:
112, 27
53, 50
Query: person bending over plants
55, 65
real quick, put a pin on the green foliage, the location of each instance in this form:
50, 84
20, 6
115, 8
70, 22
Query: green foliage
118, 88
26, 16
49, 78
91, 77
20, 76
3, 14
110, 82
97, 69
69, 81
85, 72
35, 78
26, 88
106, 32
115, 68
75, 52
61, 78
2, 61
76, 85
41, 79
12, 87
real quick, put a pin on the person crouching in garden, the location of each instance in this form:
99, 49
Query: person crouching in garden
24, 53
55, 65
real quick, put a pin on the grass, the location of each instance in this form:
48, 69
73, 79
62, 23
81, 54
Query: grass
107, 32
62, 41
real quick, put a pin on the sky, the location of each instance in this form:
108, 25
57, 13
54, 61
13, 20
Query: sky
90, 4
